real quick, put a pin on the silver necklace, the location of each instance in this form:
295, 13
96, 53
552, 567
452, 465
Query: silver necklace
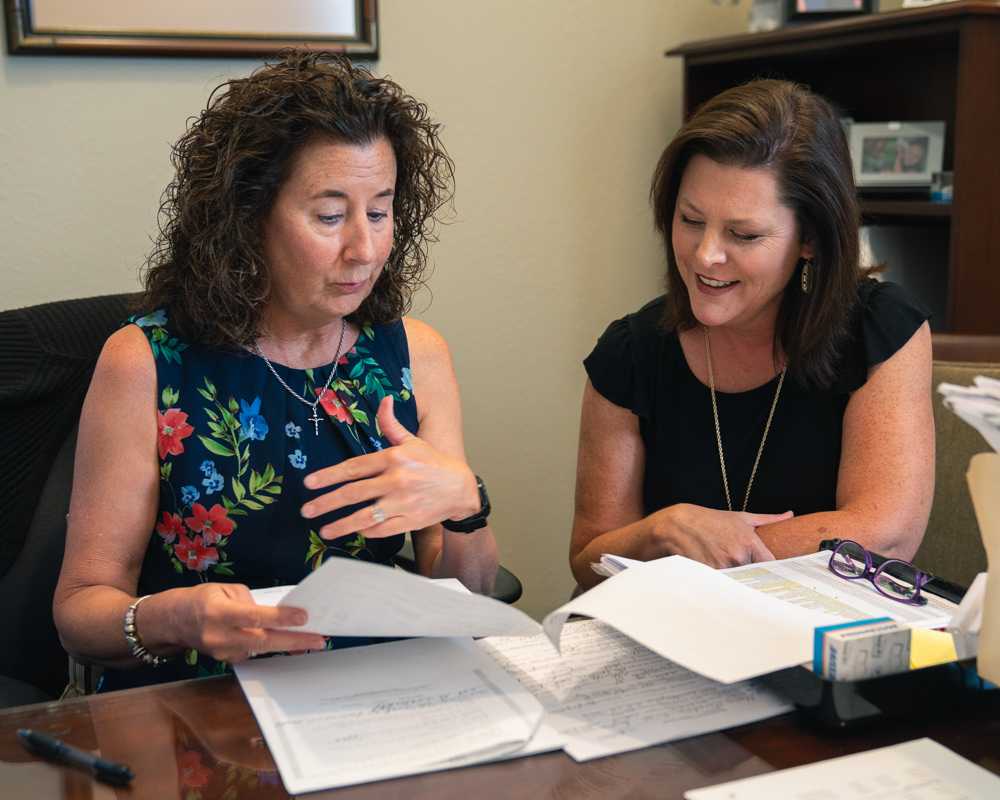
718, 433
315, 418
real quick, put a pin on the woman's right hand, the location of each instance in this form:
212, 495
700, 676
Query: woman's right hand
222, 620
717, 538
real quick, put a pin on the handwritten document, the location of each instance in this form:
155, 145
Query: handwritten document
917, 770
606, 694
340, 595
349, 716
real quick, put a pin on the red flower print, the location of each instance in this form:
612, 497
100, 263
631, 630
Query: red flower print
193, 774
194, 555
332, 406
173, 426
171, 527
212, 524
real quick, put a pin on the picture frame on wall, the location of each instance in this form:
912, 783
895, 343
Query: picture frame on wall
797, 11
896, 154
228, 28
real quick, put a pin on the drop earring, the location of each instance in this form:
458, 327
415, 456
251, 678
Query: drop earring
806, 277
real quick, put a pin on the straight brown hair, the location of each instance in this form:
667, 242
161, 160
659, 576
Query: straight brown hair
783, 127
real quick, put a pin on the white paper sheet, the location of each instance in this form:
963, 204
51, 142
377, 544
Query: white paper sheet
701, 619
345, 597
607, 695
917, 770
350, 716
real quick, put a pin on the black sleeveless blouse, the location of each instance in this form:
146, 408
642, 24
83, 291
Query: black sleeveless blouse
639, 365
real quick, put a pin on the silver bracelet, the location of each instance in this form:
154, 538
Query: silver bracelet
137, 648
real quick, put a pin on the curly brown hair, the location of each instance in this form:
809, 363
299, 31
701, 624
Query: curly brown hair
788, 129
208, 264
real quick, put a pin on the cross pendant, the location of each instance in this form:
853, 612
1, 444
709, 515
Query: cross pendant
314, 419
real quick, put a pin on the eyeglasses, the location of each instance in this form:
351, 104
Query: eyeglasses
893, 578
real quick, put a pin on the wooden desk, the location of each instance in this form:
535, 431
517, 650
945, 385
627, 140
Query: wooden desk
198, 740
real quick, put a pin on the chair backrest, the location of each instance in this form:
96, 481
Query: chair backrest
47, 356
952, 547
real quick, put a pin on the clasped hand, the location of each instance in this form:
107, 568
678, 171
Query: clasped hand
718, 538
413, 484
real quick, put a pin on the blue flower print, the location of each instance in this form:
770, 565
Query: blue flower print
297, 459
406, 379
292, 430
189, 495
375, 442
252, 424
213, 483
207, 467
155, 320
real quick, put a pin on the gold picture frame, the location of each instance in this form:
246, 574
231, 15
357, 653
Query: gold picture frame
225, 28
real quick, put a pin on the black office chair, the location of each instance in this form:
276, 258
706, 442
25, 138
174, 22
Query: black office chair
47, 356
506, 586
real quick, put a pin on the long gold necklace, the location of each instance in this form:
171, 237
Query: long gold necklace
718, 432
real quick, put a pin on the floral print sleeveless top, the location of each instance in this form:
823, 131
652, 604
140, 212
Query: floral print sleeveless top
234, 446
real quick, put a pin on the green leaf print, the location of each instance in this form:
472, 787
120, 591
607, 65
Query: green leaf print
165, 470
358, 414
214, 447
169, 397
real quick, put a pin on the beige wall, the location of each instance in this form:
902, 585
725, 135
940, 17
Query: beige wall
555, 112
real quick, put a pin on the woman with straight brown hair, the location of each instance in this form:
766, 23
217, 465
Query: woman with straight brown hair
776, 395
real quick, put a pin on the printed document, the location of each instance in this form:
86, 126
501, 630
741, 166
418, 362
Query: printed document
699, 618
917, 770
340, 595
350, 716
606, 694
732, 625
807, 582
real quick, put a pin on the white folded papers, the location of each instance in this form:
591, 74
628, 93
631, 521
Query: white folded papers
979, 405
362, 714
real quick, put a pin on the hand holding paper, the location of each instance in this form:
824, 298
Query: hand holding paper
346, 597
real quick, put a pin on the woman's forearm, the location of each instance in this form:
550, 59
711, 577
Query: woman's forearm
895, 538
90, 621
470, 557
643, 539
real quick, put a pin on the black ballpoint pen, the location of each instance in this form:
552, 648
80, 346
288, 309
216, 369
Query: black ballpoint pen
51, 748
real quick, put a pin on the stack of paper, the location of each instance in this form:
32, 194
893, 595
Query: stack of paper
979, 405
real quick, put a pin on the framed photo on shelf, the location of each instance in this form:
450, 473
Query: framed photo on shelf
820, 10
230, 28
896, 154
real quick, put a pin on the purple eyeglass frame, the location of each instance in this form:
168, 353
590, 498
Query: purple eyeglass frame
872, 573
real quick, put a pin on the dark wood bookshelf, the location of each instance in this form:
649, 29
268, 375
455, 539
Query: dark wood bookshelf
877, 208
932, 63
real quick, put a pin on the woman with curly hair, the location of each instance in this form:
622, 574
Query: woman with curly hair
270, 406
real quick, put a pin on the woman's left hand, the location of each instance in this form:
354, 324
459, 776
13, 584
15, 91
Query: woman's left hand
413, 486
